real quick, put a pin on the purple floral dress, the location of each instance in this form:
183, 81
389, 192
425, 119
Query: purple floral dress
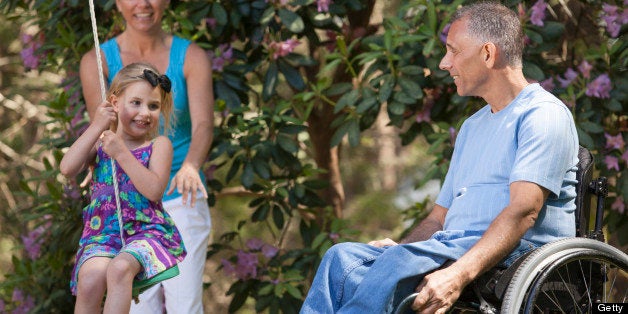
149, 233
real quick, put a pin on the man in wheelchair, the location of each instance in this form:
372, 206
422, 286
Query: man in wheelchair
510, 187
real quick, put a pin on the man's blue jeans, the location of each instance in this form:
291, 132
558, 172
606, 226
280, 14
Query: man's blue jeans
359, 278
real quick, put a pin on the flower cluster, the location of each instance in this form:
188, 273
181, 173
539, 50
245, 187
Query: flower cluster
600, 87
613, 18
323, 5
537, 13
247, 264
282, 48
221, 56
616, 144
20, 303
29, 53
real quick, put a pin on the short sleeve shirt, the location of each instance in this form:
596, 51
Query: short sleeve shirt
532, 139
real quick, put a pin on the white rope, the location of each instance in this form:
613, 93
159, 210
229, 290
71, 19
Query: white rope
101, 78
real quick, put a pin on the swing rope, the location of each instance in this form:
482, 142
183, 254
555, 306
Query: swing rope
101, 78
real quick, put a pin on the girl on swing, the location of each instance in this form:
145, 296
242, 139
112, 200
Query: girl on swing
149, 246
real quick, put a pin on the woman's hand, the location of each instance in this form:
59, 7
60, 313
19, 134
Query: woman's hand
188, 182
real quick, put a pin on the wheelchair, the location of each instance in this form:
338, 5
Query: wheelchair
570, 275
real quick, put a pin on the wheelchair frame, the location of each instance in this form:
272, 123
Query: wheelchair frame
566, 276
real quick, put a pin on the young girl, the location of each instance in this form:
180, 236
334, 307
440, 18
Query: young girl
151, 245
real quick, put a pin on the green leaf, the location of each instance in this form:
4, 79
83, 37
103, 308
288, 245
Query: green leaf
267, 16
270, 81
366, 104
294, 292
613, 105
584, 138
247, 175
348, 99
591, 127
386, 87
354, 132
411, 70
278, 218
429, 47
287, 143
411, 88
292, 75
219, 13
396, 108
261, 168
291, 20
319, 239
261, 213
533, 71
338, 89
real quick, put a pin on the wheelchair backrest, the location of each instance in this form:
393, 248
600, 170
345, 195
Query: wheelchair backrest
584, 176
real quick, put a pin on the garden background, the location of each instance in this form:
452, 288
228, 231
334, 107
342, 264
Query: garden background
333, 123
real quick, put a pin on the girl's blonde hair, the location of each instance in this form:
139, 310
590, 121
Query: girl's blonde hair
142, 71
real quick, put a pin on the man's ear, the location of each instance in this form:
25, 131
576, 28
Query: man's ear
489, 54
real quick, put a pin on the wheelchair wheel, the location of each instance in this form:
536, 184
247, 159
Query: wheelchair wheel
568, 276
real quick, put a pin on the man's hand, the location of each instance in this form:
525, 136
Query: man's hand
382, 243
438, 291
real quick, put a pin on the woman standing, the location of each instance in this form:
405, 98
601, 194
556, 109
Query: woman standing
189, 68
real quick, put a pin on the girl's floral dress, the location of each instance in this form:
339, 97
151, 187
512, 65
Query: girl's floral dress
149, 233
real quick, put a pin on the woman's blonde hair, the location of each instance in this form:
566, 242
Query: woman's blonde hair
141, 71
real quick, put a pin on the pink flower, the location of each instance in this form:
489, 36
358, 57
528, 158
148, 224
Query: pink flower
283, 48
269, 251
29, 54
443, 34
228, 267
24, 304
614, 142
211, 22
612, 19
548, 84
570, 76
254, 244
611, 162
600, 87
585, 69
247, 265
323, 5
221, 56
537, 14
452, 135
426, 114
32, 242
619, 205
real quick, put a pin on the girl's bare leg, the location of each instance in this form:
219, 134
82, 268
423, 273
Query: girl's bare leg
91, 285
120, 274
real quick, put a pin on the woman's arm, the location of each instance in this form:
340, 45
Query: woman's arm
198, 75
90, 81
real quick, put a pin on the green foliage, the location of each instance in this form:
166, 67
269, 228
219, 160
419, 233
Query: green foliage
276, 65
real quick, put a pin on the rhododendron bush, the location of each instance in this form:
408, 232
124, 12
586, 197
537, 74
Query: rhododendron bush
293, 80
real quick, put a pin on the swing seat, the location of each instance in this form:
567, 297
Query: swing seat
140, 286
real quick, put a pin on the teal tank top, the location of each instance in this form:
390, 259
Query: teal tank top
181, 134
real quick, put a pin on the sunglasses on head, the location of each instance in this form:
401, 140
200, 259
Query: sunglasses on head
153, 79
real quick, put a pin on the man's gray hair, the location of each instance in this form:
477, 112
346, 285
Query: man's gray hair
496, 23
